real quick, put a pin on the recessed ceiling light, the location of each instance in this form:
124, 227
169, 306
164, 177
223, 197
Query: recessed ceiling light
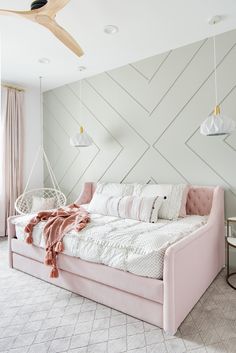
81, 68
111, 29
44, 61
214, 19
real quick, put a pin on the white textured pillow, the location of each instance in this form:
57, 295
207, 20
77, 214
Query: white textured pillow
40, 203
139, 208
172, 193
152, 190
114, 189
183, 211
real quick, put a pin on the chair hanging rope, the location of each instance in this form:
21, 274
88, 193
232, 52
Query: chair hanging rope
53, 196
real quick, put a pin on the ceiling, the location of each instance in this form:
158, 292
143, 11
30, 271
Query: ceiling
146, 28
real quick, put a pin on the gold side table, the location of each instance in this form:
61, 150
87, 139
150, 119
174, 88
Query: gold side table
230, 242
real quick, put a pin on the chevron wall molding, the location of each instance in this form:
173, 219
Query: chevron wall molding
144, 119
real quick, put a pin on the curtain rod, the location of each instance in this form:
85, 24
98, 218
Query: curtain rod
13, 87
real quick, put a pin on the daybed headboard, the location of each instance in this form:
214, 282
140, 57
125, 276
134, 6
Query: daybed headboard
199, 200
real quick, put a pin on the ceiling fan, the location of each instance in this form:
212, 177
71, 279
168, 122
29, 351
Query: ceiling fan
44, 13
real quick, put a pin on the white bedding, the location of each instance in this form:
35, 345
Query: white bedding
125, 244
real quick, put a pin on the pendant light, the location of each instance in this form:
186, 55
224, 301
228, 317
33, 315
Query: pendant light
81, 138
217, 123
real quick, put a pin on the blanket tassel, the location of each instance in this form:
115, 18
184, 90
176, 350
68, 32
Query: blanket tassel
48, 258
59, 247
54, 273
29, 239
48, 262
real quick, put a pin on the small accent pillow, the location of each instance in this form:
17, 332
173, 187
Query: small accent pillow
40, 203
114, 189
143, 209
175, 195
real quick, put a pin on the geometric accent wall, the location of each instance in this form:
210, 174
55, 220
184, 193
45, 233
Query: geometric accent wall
144, 119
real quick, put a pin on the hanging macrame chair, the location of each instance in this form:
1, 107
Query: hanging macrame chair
52, 197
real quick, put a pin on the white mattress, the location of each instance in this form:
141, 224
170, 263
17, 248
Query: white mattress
125, 244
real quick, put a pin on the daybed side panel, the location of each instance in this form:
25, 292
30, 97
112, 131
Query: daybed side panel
191, 264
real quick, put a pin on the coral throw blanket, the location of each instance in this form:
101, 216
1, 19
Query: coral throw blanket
59, 222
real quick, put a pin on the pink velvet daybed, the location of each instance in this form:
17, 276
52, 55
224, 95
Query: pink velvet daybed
190, 265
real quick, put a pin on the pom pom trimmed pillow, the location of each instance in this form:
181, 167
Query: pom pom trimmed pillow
143, 209
174, 196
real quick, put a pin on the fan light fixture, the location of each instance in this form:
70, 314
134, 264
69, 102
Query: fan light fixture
44, 61
217, 123
81, 138
111, 29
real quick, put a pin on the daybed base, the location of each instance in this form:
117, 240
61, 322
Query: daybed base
133, 305
190, 265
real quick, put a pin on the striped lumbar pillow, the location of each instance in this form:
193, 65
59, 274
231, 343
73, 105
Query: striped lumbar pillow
143, 209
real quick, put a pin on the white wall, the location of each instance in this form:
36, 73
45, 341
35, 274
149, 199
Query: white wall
32, 137
144, 119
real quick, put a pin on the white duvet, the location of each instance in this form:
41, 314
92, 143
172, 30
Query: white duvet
125, 244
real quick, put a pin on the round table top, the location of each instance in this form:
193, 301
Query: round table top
231, 241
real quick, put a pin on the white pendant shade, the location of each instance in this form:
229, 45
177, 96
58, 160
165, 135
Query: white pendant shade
81, 139
217, 124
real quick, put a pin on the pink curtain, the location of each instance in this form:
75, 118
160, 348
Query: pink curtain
11, 149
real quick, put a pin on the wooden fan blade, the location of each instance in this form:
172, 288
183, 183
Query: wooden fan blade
26, 14
60, 33
53, 6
